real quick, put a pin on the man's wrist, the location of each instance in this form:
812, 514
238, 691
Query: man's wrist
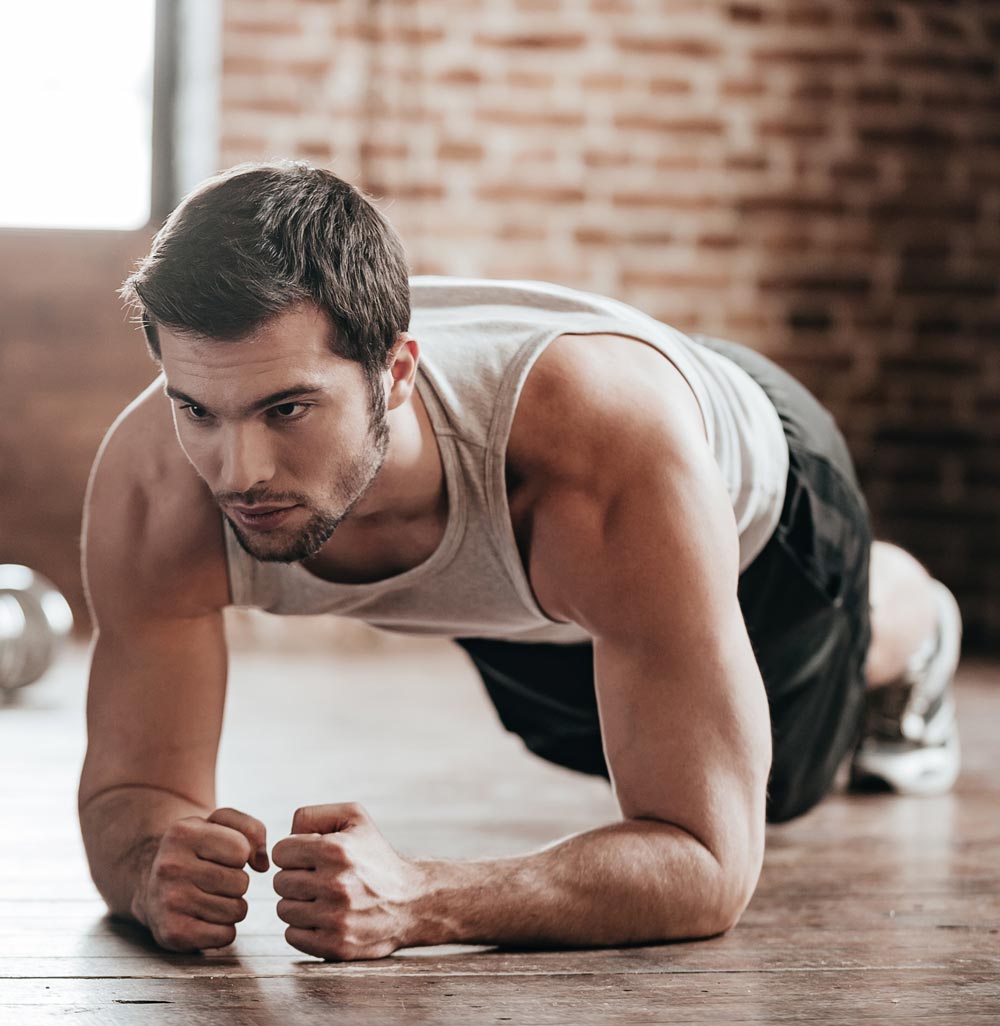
438, 902
142, 856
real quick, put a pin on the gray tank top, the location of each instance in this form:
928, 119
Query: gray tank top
478, 341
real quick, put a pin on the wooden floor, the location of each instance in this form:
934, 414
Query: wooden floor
870, 909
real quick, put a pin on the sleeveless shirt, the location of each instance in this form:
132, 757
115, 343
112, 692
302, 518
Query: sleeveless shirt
478, 341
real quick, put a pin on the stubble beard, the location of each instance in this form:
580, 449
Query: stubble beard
319, 528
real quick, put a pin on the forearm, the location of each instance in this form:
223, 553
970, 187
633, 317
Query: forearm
631, 882
121, 829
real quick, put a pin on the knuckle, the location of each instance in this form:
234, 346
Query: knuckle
168, 868
333, 847
286, 888
188, 826
183, 831
304, 940
242, 908
333, 925
329, 943
174, 898
172, 838
338, 888
173, 933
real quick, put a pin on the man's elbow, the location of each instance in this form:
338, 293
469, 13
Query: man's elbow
716, 911
736, 883
731, 910
728, 880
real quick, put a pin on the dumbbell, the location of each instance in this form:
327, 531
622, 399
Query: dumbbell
34, 620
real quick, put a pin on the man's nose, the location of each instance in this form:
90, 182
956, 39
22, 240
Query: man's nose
247, 460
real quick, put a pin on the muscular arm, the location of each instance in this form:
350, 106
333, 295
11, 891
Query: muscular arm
638, 881
152, 740
158, 670
643, 553
686, 738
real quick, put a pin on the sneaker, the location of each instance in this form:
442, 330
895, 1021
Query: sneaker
910, 740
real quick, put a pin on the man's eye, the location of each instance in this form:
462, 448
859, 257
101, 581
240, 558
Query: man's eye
195, 412
288, 411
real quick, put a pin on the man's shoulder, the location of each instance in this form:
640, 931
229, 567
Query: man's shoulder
603, 421
153, 536
609, 467
595, 406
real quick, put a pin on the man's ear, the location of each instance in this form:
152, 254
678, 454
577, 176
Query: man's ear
402, 370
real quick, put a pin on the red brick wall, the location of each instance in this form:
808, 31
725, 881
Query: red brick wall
69, 362
818, 180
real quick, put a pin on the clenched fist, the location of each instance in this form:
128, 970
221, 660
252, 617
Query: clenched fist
345, 893
192, 897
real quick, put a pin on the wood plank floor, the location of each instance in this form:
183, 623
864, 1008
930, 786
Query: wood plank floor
870, 909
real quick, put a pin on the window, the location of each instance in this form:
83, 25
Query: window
76, 77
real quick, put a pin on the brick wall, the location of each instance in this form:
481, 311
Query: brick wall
820, 181
69, 362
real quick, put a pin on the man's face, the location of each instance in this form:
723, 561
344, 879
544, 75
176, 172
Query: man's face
281, 429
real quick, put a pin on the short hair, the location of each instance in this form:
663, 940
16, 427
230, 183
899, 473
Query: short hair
253, 241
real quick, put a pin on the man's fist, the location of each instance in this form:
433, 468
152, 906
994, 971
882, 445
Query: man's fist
192, 897
345, 893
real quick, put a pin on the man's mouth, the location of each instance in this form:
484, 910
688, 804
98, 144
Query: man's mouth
262, 518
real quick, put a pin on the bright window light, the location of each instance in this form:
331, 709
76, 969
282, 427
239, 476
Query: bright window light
76, 133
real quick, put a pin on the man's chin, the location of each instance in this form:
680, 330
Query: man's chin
273, 548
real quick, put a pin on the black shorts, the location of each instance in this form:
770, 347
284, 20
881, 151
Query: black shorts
805, 604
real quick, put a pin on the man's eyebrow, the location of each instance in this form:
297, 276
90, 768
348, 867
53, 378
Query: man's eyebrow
296, 391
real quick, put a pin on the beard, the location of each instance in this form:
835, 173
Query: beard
355, 482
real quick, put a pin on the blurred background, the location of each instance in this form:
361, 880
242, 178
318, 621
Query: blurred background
820, 181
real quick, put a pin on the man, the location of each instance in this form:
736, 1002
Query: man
652, 546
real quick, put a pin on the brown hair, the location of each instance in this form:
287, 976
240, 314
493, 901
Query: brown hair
257, 239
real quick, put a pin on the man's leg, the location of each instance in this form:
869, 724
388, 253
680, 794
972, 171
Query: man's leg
903, 611
902, 675
910, 741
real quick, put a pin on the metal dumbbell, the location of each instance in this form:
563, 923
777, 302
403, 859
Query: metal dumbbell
34, 620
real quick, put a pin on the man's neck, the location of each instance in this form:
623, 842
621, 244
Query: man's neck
402, 520
411, 482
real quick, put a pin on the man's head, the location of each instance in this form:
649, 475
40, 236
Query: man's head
265, 279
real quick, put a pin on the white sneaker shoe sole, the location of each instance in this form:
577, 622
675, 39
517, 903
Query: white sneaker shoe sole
908, 770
